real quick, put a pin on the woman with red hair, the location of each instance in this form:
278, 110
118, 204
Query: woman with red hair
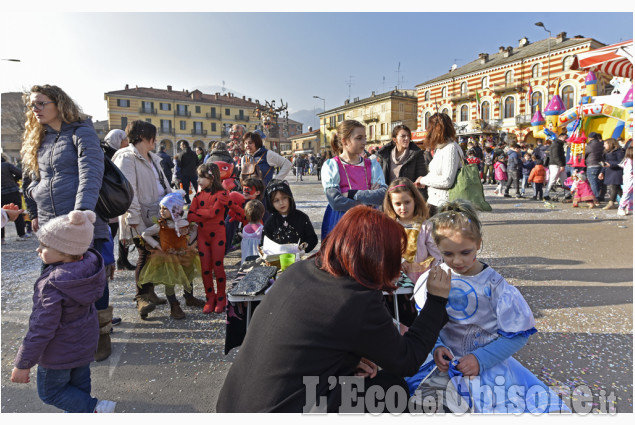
324, 321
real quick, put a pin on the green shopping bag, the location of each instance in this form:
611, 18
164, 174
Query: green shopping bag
468, 187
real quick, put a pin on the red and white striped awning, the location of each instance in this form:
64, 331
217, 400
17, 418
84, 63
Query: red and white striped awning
615, 60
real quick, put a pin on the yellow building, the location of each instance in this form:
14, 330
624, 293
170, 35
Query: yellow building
194, 116
380, 113
503, 81
305, 143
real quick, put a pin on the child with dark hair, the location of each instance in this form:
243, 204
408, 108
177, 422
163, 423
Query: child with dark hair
488, 165
252, 232
538, 176
287, 224
527, 165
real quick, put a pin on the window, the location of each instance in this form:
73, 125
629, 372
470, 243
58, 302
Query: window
485, 82
425, 119
166, 125
147, 107
198, 127
536, 70
401, 108
123, 103
182, 125
124, 122
464, 87
445, 111
509, 77
181, 110
197, 109
383, 129
567, 96
566, 63
165, 106
426, 96
371, 132
340, 118
227, 111
536, 102
213, 126
444, 91
213, 113
485, 111
309, 147
241, 114
509, 107
332, 122
464, 113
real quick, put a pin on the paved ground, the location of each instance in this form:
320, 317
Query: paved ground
574, 267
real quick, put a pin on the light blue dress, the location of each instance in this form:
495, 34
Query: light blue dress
482, 308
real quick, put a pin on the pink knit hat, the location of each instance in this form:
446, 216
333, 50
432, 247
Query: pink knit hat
69, 234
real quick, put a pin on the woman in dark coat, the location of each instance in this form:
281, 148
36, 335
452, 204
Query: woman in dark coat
324, 320
402, 158
612, 172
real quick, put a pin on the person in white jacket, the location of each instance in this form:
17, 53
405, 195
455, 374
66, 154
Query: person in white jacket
445, 163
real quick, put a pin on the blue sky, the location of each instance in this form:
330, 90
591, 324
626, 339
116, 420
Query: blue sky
266, 56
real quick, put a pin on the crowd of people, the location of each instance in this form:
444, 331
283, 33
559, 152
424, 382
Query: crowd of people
388, 216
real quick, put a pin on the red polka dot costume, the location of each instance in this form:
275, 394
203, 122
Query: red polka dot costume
208, 211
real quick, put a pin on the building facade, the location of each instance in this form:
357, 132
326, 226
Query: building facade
13, 118
504, 81
380, 113
193, 116
305, 143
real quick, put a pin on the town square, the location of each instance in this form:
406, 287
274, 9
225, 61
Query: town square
450, 232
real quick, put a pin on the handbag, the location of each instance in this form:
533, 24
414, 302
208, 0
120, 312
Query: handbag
115, 193
468, 187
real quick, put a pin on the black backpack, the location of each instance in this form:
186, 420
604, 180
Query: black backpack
115, 194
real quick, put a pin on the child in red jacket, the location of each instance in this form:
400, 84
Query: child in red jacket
208, 211
537, 177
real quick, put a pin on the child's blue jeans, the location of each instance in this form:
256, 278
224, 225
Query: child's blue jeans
67, 389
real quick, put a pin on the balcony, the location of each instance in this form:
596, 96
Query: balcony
515, 85
371, 118
523, 119
241, 118
331, 125
166, 131
199, 132
178, 113
148, 111
212, 116
460, 96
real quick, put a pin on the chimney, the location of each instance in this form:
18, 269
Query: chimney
249, 99
126, 86
347, 101
372, 94
523, 42
243, 97
310, 129
136, 87
484, 57
169, 88
561, 37
501, 49
508, 52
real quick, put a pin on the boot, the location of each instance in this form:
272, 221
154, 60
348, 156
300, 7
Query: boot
144, 305
221, 302
610, 206
105, 324
175, 310
210, 304
153, 297
192, 301
122, 261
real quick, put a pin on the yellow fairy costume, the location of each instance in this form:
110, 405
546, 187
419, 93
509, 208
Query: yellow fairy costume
177, 262
421, 250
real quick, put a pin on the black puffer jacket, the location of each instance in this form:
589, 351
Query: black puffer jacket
413, 167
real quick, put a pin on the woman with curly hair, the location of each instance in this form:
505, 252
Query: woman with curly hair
61, 151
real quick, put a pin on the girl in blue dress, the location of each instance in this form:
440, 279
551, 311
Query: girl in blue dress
349, 179
472, 366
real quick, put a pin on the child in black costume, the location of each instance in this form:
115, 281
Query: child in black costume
286, 223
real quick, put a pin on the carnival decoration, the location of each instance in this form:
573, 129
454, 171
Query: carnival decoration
269, 114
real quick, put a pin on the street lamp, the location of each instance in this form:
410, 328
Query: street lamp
540, 24
323, 110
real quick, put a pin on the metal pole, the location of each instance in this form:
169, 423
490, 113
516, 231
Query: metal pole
540, 24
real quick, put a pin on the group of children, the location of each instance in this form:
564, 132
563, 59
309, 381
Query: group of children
498, 326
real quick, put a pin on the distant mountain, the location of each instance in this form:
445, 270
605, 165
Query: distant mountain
307, 117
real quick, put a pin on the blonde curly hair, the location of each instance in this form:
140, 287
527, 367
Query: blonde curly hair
34, 132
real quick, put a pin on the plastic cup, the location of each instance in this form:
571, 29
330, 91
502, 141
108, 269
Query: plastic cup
286, 260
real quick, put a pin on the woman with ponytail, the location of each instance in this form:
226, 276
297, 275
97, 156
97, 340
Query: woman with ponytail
348, 178
447, 160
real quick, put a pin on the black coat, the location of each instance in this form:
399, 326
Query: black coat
594, 153
314, 324
556, 153
187, 162
413, 167
614, 173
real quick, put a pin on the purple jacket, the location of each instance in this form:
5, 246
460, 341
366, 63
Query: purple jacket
63, 328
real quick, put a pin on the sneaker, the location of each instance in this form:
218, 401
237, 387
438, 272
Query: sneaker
507, 195
518, 196
621, 212
105, 406
547, 198
21, 238
116, 321
28, 234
